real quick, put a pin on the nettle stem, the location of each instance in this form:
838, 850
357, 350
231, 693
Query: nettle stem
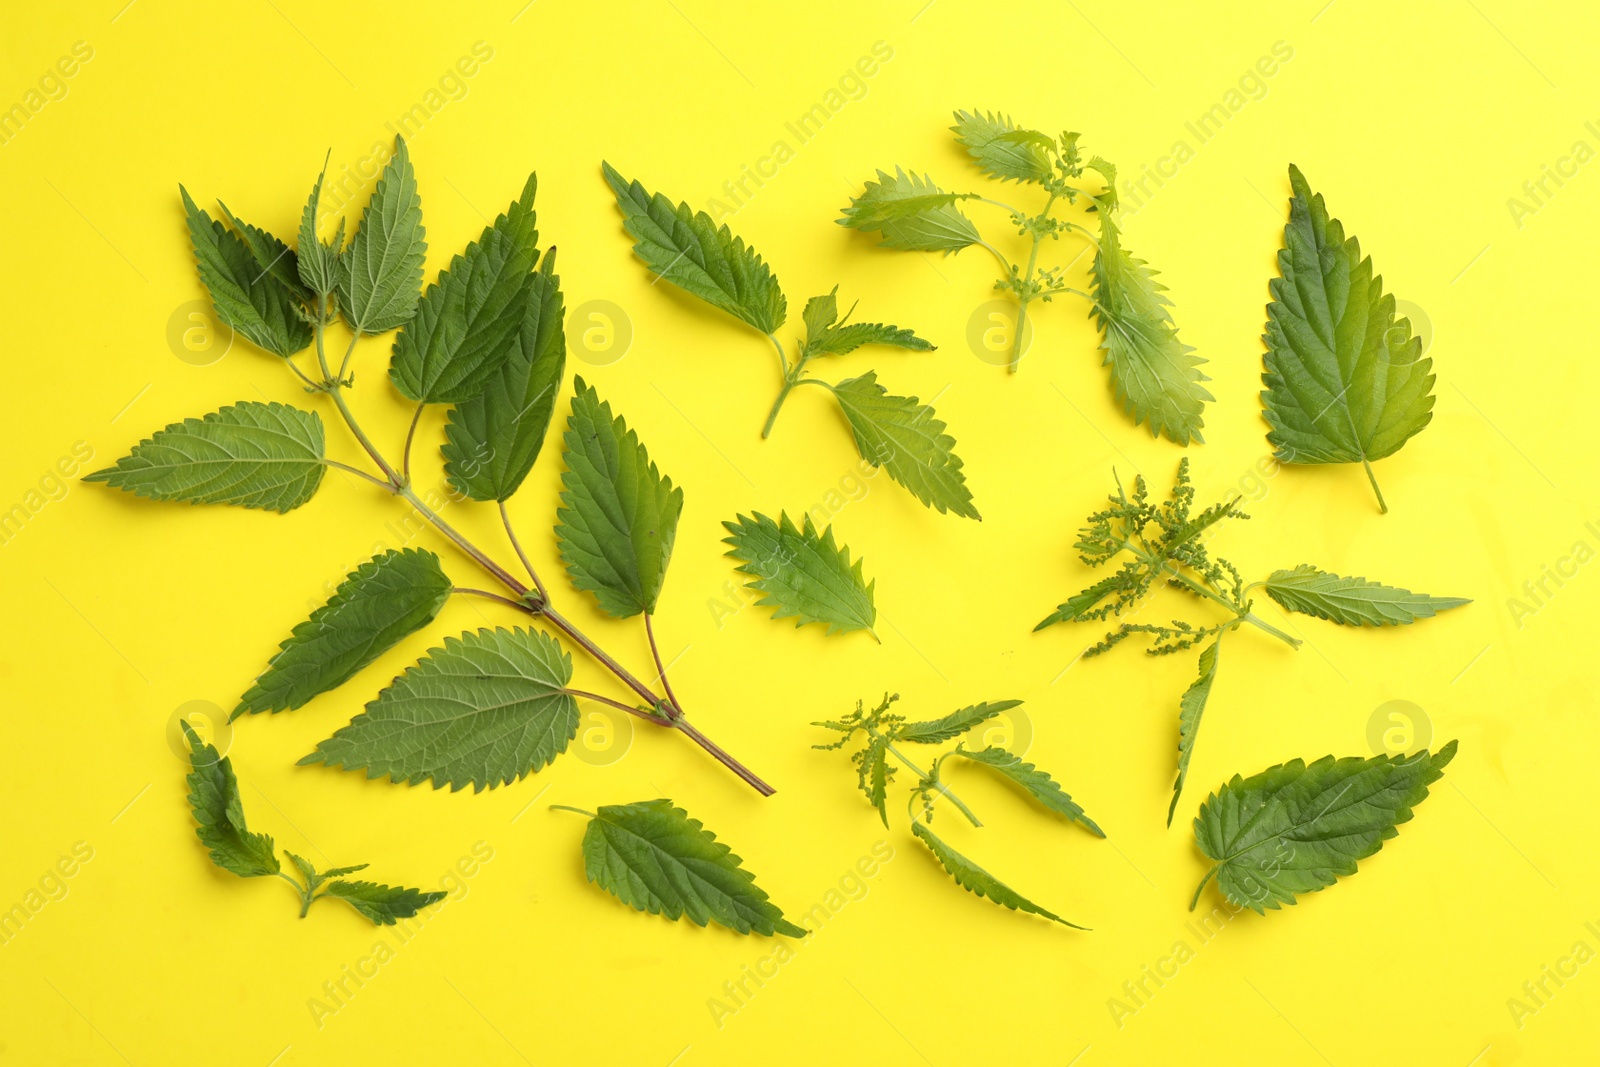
790, 377
933, 780
532, 601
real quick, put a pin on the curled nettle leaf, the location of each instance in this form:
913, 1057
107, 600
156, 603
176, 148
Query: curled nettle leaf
897, 433
1154, 376
1165, 544
881, 730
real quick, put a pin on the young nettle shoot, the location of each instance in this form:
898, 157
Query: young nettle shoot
881, 732
1164, 545
688, 249
1155, 376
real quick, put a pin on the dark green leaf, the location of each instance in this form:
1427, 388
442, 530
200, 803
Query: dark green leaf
975, 879
802, 573
214, 798
911, 213
1352, 601
936, 731
380, 275
382, 904
1036, 783
271, 255
247, 296
907, 440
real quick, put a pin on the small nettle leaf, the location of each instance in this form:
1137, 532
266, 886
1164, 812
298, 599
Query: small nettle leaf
953, 725
821, 312
315, 878
1295, 829
1191, 706
841, 340
469, 322
214, 798
1345, 378
976, 880
1036, 783
1079, 604
803, 574
1352, 601
270, 254
906, 439
247, 296
388, 597
484, 710
318, 263
655, 858
493, 439
383, 904
873, 774
692, 252
1001, 150
1156, 377
1107, 199
249, 454
619, 514
911, 213
380, 274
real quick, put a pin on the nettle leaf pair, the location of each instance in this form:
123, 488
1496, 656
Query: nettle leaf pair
1155, 376
882, 730
896, 433
1164, 544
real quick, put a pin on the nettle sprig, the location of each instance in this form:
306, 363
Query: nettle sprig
1155, 376
883, 731
896, 433
1163, 545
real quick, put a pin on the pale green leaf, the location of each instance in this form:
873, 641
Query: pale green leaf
247, 297
1107, 200
906, 439
936, 731
388, 597
383, 904
214, 798
911, 213
1346, 380
619, 515
380, 274
1155, 376
1036, 783
1295, 829
653, 857
976, 880
318, 262
493, 439
248, 454
1352, 601
1191, 706
827, 336
1076, 605
692, 252
1001, 150
802, 573
469, 321
485, 710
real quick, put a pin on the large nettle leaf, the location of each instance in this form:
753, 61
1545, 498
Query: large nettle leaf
493, 439
911, 213
974, 879
1352, 601
249, 454
1039, 786
385, 599
906, 439
470, 320
653, 857
1156, 377
214, 798
1001, 150
250, 297
1295, 828
803, 574
485, 710
1345, 377
380, 274
619, 514
692, 252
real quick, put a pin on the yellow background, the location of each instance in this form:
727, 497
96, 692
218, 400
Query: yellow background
1417, 121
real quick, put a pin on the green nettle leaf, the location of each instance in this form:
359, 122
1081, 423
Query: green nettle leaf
874, 775
1108, 171
821, 312
692, 252
827, 336
469, 321
619, 515
1345, 377
975, 879
214, 797
1156, 377
313, 877
1295, 828
1352, 601
380, 275
907, 440
270, 254
249, 454
653, 857
953, 725
485, 710
382, 904
804, 574
248, 297
1001, 150
1036, 783
318, 262
1075, 606
911, 213
385, 599
1191, 706
493, 439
